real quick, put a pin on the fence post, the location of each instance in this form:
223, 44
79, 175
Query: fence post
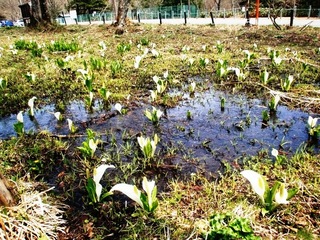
185, 17
248, 18
224, 13
89, 18
309, 13
294, 11
64, 18
103, 19
138, 17
160, 18
212, 20
291, 17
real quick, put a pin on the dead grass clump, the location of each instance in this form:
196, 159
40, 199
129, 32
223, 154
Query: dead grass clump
36, 216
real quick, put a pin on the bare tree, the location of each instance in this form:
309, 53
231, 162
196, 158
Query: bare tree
276, 6
209, 4
218, 4
120, 8
40, 14
147, 3
199, 4
10, 9
56, 7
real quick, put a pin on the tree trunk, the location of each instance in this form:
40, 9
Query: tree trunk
275, 24
121, 8
6, 198
45, 14
40, 14
116, 9
35, 13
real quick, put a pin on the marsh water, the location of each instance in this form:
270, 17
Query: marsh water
208, 136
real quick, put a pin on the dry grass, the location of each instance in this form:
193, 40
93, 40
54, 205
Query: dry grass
35, 217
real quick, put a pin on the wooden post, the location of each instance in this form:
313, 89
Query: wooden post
248, 19
64, 19
185, 17
212, 20
309, 13
291, 17
160, 18
257, 11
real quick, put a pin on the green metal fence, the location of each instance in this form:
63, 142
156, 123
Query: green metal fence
169, 12
166, 12
106, 16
